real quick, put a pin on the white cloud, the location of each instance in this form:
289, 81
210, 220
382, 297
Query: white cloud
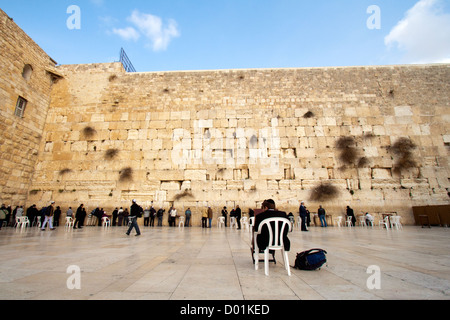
128, 33
98, 3
424, 34
152, 28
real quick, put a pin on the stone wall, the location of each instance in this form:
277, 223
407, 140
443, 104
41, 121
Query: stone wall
237, 137
25, 71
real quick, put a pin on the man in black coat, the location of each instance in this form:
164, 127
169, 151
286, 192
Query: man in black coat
238, 214
303, 216
270, 212
352, 215
80, 215
135, 213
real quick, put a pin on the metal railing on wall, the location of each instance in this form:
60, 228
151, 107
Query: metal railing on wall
126, 61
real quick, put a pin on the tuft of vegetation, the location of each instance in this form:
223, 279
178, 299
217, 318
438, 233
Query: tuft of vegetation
126, 175
403, 149
185, 194
111, 154
89, 132
347, 148
65, 171
363, 162
324, 192
309, 115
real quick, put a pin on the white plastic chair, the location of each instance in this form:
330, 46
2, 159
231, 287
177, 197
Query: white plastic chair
384, 222
37, 222
276, 227
299, 222
362, 221
395, 222
233, 222
339, 221
92, 220
292, 220
18, 223
348, 222
251, 223
69, 222
181, 223
106, 222
24, 222
220, 222
244, 222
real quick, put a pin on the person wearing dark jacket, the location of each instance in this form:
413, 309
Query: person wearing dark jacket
135, 213
352, 215
80, 215
238, 214
270, 212
303, 216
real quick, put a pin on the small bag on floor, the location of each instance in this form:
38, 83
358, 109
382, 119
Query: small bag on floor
310, 260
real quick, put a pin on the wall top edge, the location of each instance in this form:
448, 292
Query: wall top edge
96, 65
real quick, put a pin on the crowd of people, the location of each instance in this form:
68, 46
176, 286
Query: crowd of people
51, 215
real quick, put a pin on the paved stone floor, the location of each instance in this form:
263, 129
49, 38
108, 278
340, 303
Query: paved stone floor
215, 264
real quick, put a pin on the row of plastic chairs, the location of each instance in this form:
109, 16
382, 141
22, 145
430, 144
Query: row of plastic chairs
387, 222
22, 222
246, 223
106, 222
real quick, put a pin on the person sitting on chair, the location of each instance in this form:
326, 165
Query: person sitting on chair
263, 239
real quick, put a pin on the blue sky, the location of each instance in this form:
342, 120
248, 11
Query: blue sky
238, 34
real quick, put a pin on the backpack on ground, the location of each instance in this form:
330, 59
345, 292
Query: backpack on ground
310, 260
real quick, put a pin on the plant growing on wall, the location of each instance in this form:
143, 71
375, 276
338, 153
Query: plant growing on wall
65, 171
185, 194
111, 154
126, 174
324, 192
309, 115
89, 132
347, 148
403, 149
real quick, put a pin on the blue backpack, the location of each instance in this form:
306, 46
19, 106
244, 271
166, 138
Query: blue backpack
310, 260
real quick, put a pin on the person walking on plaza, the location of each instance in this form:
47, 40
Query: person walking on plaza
49, 217
322, 216
135, 213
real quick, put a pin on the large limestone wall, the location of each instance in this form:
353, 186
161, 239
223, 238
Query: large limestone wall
20, 136
237, 137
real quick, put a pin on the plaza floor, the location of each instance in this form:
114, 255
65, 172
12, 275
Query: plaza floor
215, 264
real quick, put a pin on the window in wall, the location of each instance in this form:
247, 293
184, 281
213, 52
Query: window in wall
20, 107
27, 71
